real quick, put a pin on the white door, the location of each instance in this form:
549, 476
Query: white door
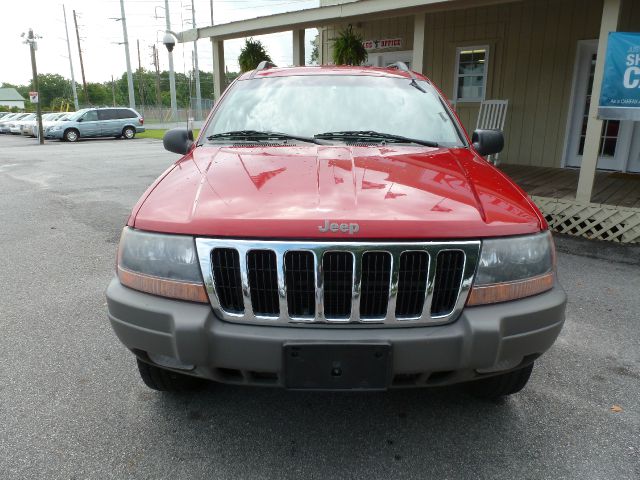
615, 139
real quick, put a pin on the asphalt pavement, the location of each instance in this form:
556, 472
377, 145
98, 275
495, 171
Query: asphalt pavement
73, 407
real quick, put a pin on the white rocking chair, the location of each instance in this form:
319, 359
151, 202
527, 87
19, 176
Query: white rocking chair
492, 115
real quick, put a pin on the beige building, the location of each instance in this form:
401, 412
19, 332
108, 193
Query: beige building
543, 57
537, 54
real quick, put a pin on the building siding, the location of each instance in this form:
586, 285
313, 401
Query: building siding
531, 62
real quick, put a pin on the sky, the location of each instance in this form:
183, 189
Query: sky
101, 35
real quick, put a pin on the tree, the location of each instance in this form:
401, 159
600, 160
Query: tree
50, 86
252, 54
315, 52
348, 48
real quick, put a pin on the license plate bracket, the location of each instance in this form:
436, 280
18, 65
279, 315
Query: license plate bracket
337, 366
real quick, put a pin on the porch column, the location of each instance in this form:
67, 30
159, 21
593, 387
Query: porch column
418, 62
609, 23
298, 48
219, 78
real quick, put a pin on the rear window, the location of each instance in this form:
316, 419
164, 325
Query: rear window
314, 104
126, 113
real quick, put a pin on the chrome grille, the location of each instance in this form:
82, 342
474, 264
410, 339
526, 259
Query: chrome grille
412, 284
337, 269
301, 284
374, 285
448, 274
263, 282
297, 283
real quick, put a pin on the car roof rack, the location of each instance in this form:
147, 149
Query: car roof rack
403, 67
263, 65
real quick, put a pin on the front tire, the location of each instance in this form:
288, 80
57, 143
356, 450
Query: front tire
128, 133
71, 135
501, 385
166, 380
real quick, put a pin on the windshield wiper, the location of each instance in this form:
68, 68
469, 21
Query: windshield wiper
255, 135
364, 135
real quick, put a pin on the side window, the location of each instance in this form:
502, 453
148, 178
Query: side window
471, 73
90, 116
103, 114
128, 113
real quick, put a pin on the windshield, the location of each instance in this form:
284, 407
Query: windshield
77, 115
316, 104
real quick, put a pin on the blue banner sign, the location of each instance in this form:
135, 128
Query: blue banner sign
620, 94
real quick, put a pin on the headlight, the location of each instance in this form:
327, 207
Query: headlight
165, 265
511, 268
55, 129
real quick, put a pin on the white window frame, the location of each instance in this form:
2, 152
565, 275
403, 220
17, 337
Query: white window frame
457, 74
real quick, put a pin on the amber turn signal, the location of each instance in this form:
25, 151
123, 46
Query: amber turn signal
192, 292
503, 292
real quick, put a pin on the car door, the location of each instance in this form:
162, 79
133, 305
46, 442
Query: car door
88, 124
105, 122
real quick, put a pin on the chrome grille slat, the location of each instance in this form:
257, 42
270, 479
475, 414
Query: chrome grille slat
374, 290
412, 284
297, 296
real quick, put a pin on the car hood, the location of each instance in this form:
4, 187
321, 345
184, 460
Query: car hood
294, 192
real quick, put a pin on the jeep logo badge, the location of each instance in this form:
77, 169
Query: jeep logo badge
349, 228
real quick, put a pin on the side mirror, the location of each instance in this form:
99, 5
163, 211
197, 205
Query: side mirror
178, 140
81, 119
487, 142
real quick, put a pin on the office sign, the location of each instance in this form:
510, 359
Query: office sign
620, 93
384, 43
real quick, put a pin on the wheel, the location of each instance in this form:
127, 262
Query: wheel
166, 380
501, 385
71, 135
128, 132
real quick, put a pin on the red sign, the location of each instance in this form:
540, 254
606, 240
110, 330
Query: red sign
384, 43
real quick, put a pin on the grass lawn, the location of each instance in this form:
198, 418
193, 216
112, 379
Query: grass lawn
160, 133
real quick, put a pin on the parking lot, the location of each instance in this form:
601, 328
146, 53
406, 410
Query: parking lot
72, 405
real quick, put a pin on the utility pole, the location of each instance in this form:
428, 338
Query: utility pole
156, 64
32, 46
140, 76
213, 73
73, 78
132, 98
84, 82
196, 69
113, 91
172, 75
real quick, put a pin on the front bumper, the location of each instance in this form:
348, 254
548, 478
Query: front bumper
497, 338
53, 133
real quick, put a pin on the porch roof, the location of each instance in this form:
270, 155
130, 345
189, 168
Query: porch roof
320, 16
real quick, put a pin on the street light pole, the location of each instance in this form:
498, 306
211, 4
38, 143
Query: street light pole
73, 78
32, 46
132, 98
172, 75
197, 70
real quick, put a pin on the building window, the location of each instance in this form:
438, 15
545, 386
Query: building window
471, 73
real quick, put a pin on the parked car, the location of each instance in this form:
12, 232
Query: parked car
98, 122
335, 228
5, 116
8, 122
30, 128
15, 126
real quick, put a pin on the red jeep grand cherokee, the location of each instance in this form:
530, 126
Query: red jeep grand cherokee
335, 228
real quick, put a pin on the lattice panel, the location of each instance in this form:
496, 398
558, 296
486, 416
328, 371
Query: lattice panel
591, 220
